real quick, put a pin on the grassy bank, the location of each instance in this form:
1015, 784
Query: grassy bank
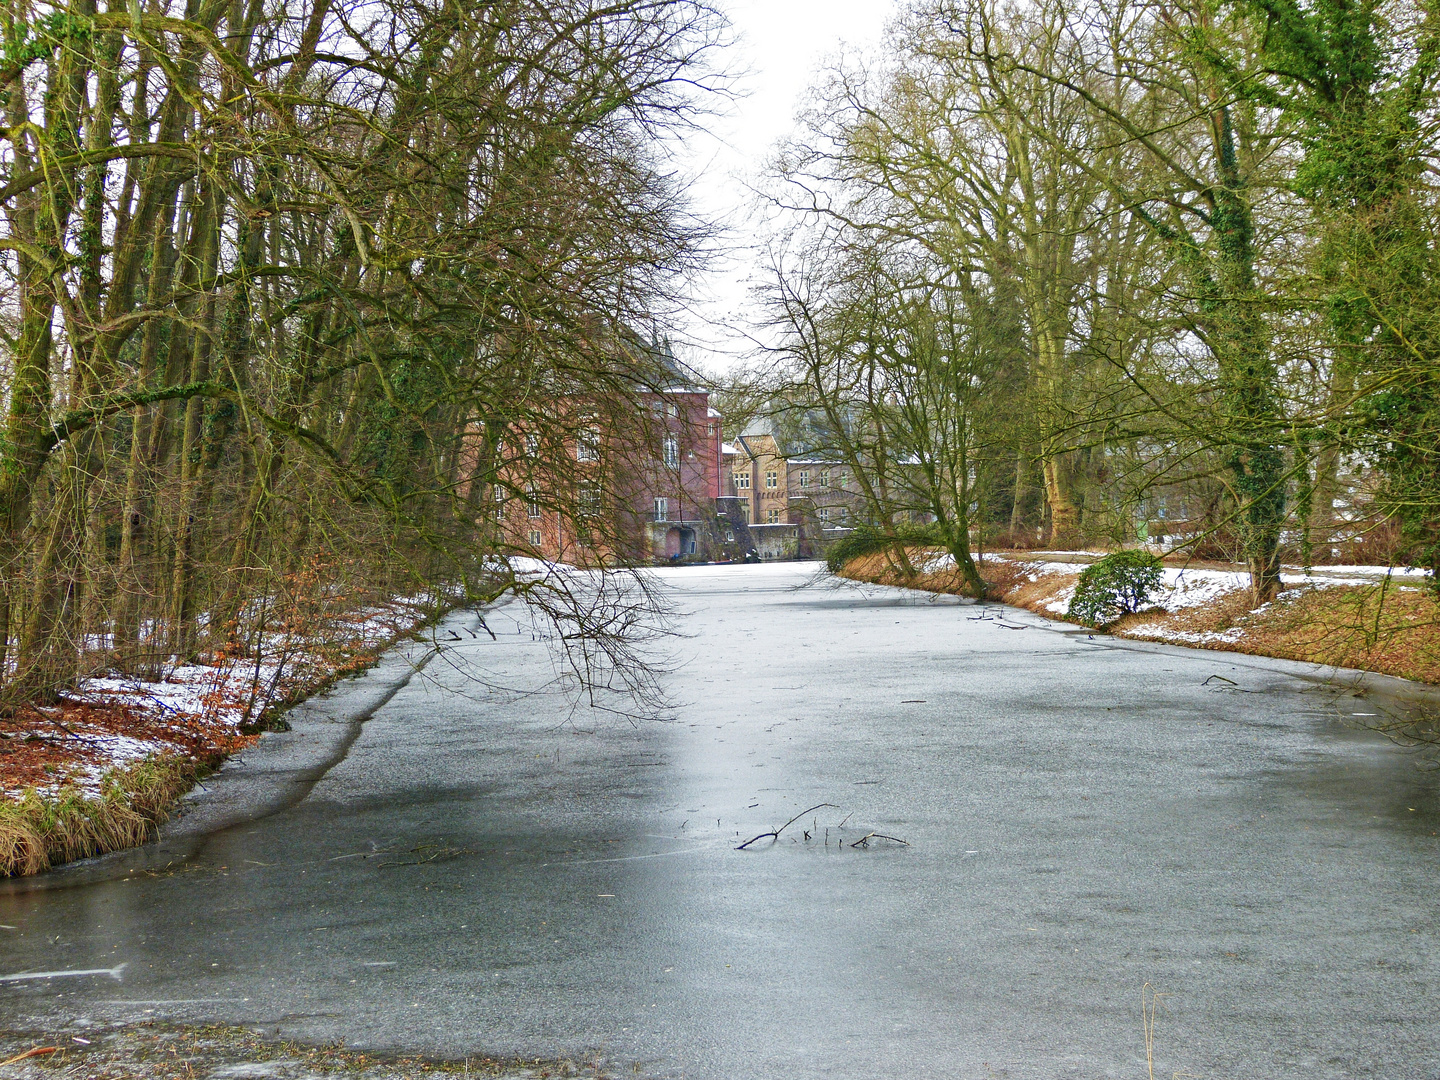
38, 832
100, 768
1381, 626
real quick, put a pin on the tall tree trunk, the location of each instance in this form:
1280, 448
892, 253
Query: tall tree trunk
1320, 518
40, 221
1017, 515
1250, 413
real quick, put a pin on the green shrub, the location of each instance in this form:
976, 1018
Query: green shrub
1113, 586
868, 540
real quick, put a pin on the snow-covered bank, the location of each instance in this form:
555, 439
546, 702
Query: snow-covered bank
1374, 617
200, 711
95, 770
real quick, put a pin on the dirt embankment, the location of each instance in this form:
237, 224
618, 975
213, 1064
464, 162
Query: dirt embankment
1353, 617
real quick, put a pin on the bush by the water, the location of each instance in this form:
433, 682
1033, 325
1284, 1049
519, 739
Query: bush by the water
1113, 586
868, 540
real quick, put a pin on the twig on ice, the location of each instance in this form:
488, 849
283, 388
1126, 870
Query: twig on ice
34, 1051
776, 832
878, 836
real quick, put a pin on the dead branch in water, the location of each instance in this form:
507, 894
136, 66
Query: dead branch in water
865, 840
775, 833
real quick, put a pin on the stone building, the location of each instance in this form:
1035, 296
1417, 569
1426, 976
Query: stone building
793, 500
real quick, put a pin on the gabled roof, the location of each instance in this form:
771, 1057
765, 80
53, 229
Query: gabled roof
760, 425
681, 378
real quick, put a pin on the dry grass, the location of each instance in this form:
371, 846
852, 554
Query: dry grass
38, 832
50, 753
1008, 581
1370, 627
1382, 627
879, 570
159, 1051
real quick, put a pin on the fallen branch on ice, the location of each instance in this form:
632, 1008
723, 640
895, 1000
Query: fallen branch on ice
865, 840
775, 833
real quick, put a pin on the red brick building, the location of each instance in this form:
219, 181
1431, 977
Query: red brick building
644, 486
671, 500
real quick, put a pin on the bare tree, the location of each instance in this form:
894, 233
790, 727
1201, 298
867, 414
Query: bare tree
288, 281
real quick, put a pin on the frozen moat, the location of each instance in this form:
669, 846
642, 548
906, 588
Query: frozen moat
491, 872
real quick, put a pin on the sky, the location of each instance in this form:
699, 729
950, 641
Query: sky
779, 47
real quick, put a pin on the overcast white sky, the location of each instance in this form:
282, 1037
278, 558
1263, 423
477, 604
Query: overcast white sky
780, 45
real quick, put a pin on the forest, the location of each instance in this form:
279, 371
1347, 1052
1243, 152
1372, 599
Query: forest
295, 294
1098, 273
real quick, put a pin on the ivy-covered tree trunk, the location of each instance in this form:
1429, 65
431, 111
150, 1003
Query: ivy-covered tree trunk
1358, 84
1250, 414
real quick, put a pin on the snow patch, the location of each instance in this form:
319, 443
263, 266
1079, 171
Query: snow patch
1188, 637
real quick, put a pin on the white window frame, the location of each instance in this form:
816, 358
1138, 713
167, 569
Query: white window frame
587, 444
589, 503
662, 508
670, 451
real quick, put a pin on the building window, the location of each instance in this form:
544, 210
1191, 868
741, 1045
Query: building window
662, 509
823, 513
772, 517
772, 478
532, 444
532, 506
840, 479
587, 447
804, 478
535, 540
589, 500
825, 478
671, 448
499, 492
742, 481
